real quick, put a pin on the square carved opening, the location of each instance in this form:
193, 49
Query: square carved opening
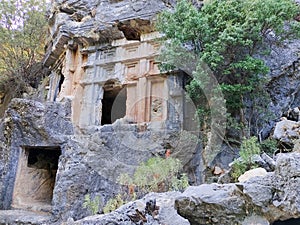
113, 102
35, 178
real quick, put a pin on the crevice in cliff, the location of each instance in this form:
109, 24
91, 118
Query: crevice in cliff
132, 29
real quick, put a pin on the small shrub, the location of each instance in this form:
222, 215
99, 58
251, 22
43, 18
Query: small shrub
159, 175
155, 175
92, 204
238, 168
269, 146
113, 203
249, 147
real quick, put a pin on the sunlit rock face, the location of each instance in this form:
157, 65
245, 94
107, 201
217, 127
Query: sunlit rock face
103, 58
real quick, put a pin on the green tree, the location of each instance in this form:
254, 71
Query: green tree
227, 35
23, 29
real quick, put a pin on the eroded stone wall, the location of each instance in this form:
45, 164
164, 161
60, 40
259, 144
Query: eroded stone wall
97, 54
29, 123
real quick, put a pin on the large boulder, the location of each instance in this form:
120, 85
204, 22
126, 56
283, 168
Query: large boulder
287, 131
252, 173
275, 196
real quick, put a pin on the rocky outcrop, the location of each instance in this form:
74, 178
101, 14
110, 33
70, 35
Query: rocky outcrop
92, 163
28, 123
134, 213
87, 163
99, 22
268, 198
284, 84
287, 132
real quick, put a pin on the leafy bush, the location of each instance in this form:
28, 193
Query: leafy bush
159, 175
249, 148
269, 146
155, 175
92, 205
113, 203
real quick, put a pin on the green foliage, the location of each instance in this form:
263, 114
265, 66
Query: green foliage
92, 204
113, 204
155, 175
249, 148
238, 168
23, 29
269, 146
226, 35
159, 175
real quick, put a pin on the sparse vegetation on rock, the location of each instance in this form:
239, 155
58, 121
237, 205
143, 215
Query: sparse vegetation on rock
155, 175
92, 204
249, 148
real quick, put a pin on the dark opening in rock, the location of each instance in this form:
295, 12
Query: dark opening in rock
288, 222
133, 28
61, 81
58, 88
43, 157
35, 179
113, 103
130, 33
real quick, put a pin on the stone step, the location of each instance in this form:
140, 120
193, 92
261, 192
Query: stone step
22, 217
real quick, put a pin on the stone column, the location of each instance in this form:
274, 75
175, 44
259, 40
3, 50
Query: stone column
67, 71
54, 86
91, 105
141, 100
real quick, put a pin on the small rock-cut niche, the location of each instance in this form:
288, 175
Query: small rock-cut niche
43, 157
113, 103
288, 222
35, 178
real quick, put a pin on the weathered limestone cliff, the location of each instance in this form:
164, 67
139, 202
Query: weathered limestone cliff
109, 108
